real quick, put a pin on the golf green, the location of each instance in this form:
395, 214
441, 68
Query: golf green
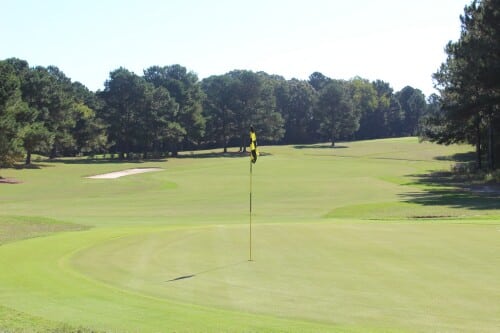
331, 273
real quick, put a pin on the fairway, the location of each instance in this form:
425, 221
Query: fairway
359, 238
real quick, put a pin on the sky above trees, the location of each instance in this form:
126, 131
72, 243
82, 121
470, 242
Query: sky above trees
400, 42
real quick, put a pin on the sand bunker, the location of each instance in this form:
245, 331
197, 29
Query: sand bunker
128, 172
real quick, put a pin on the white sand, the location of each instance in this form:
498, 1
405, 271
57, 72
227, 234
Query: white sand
128, 172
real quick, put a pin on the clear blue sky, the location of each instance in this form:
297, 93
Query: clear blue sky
398, 41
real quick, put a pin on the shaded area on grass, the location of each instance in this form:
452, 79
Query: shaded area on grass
14, 228
320, 146
458, 157
105, 161
212, 154
218, 154
182, 277
397, 211
32, 166
9, 181
45, 163
41, 163
446, 189
189, 276
396, 159
461, 187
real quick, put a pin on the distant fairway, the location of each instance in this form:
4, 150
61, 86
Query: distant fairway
357, 238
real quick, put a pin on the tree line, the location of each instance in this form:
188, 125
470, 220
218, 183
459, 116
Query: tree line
168, 109
468, 106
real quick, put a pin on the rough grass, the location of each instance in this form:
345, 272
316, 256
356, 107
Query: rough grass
12, 321
13, 228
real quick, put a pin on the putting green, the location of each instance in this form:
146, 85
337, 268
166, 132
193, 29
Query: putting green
430, 277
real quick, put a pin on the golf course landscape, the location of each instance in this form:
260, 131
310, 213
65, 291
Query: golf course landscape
369, 236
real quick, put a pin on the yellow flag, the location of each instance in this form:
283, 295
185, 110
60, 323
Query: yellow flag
253, 146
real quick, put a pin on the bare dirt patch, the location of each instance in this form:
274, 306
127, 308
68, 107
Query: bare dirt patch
118, 174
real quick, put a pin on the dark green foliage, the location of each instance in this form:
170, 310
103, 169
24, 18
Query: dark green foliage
10, 100
35, 137
295, 101
218, 107
335, 112
413, 106
185, 90
47, 93
469, 84
239, 99
125, 95
318, 80
383, 118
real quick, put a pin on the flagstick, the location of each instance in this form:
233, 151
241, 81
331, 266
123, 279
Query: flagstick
250, 211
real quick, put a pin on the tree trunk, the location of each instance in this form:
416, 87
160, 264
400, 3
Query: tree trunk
478, 142
224, 130
53, 153
174, 150
243, 147
333, 132
28, 158
491, 146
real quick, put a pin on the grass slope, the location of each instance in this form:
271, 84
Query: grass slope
357, 238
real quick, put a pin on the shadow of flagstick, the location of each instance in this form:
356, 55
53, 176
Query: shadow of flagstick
188, 276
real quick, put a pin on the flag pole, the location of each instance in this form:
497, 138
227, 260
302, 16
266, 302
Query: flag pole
253, 158
250, 243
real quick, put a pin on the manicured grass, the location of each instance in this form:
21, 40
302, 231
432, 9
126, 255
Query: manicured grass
338, 274
357, 238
